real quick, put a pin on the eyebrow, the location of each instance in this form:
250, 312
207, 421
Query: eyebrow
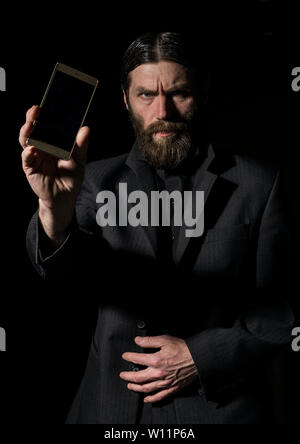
180, 87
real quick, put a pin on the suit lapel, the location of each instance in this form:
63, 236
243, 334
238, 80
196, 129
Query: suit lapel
204, 181
217, 192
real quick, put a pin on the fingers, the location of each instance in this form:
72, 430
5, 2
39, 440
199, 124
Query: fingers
149, 381
82, 136
151, 341
28, 157
148, 360
161, 395
26, 130
31, 160
151, 387
33, 113
80, 150
143, 376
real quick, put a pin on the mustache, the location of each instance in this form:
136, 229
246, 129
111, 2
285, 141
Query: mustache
157, 127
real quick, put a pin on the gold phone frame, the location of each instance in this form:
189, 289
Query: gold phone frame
52, 149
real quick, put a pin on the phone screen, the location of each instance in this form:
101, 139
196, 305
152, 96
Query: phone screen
63, 110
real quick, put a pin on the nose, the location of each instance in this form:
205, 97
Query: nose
163, 107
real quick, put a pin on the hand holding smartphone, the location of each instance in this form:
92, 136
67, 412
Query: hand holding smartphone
48, 138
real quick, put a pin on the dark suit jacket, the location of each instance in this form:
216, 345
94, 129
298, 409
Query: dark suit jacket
222, 293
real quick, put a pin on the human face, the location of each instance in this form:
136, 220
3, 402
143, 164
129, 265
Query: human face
162, 104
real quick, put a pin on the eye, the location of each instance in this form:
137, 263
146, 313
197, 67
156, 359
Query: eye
146, 95
181, 93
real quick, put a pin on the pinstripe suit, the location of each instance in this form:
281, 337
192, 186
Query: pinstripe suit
220, 292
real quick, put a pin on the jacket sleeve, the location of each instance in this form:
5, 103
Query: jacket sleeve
226, 357
82, 249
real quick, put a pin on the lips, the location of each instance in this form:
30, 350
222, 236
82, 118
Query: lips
165, 133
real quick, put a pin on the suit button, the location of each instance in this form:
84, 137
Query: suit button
141, 324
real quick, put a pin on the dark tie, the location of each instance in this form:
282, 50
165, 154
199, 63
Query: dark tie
167, 235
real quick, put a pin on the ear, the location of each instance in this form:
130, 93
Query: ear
125, 100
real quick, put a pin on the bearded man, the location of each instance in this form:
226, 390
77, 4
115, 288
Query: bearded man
187, 327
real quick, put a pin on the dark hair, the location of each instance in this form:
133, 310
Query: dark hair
153, 47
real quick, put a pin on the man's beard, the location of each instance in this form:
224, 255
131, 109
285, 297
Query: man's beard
169, 152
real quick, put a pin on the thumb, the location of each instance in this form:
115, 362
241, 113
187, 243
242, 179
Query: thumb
82, 141
150, 341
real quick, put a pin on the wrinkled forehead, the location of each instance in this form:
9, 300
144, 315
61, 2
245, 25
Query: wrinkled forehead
162, 75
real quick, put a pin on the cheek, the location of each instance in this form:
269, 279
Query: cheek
184, 106
145, 112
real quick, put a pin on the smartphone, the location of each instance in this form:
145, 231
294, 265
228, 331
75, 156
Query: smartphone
64, 107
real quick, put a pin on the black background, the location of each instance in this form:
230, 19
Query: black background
253, 47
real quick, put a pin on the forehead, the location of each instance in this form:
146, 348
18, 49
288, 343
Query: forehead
164, 73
